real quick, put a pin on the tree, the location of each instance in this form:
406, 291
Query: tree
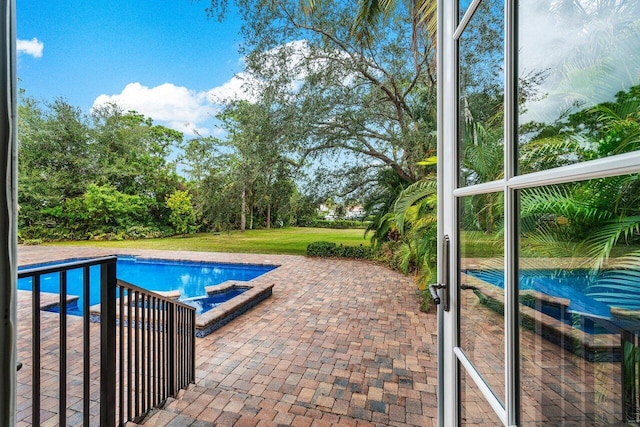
260, 148
182, 214
217, 200
372, 12
84, 175
357, 107
132, 155
54, 155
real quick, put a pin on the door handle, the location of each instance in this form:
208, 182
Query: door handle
433, 289
434, 293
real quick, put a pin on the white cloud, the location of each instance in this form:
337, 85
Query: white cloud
236, 88
180, 108
31, 47
298, 65
588, 63
191, 112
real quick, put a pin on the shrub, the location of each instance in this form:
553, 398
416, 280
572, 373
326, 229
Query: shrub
43, 232
331, 250
358, 252
104, 207
145, 232
321, 249
183, 217
31, 242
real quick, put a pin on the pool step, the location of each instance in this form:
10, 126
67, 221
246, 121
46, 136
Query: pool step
219, 316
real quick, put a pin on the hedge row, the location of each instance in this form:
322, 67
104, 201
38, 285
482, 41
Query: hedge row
330, 249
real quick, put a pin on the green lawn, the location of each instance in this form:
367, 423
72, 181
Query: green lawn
291, 241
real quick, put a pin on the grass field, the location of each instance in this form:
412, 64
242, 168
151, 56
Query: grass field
290, 241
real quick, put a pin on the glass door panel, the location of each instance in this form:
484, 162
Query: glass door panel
546, 313
579, 301
462, 8
579, 81
481, 96
481, 298
474, 408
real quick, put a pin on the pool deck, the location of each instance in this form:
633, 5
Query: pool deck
339, 343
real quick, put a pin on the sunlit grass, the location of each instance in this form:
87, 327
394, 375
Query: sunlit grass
290, 241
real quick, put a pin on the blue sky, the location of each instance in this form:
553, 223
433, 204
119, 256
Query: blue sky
164, 58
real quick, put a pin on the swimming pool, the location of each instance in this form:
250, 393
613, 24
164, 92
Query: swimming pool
571, 284
583, 312
190, 278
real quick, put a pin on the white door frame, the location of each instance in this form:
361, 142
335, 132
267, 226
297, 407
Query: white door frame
8, 215
449, 29
447, 168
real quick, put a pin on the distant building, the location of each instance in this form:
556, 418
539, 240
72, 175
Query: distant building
327, 213
355, 213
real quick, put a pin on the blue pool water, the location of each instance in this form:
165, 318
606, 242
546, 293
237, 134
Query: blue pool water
204, 304
190, 278
570, 284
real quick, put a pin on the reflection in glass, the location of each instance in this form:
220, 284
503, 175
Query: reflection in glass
481, 304
579, 292
462, 8
579, 89
474, 408
481, 92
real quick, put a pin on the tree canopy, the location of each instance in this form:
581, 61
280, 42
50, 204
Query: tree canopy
357, 106
83, 175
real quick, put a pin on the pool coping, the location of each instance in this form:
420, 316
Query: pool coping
49, 300
217, 317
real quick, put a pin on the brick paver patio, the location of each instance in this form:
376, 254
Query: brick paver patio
339, 343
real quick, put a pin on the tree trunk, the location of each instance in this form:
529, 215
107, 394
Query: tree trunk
268, 216
243, 212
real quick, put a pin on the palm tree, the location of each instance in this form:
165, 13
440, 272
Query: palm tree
380, 204
371, 13
415, 216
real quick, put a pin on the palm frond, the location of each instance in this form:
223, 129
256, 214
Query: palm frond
371, 13
608, 235
546, 242
619, 284
381, 228
425, 221
553, 151
405, 255
411, 195
485, 155
561, 201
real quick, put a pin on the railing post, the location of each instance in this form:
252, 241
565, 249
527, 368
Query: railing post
192, 337
108, 344
172, 344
